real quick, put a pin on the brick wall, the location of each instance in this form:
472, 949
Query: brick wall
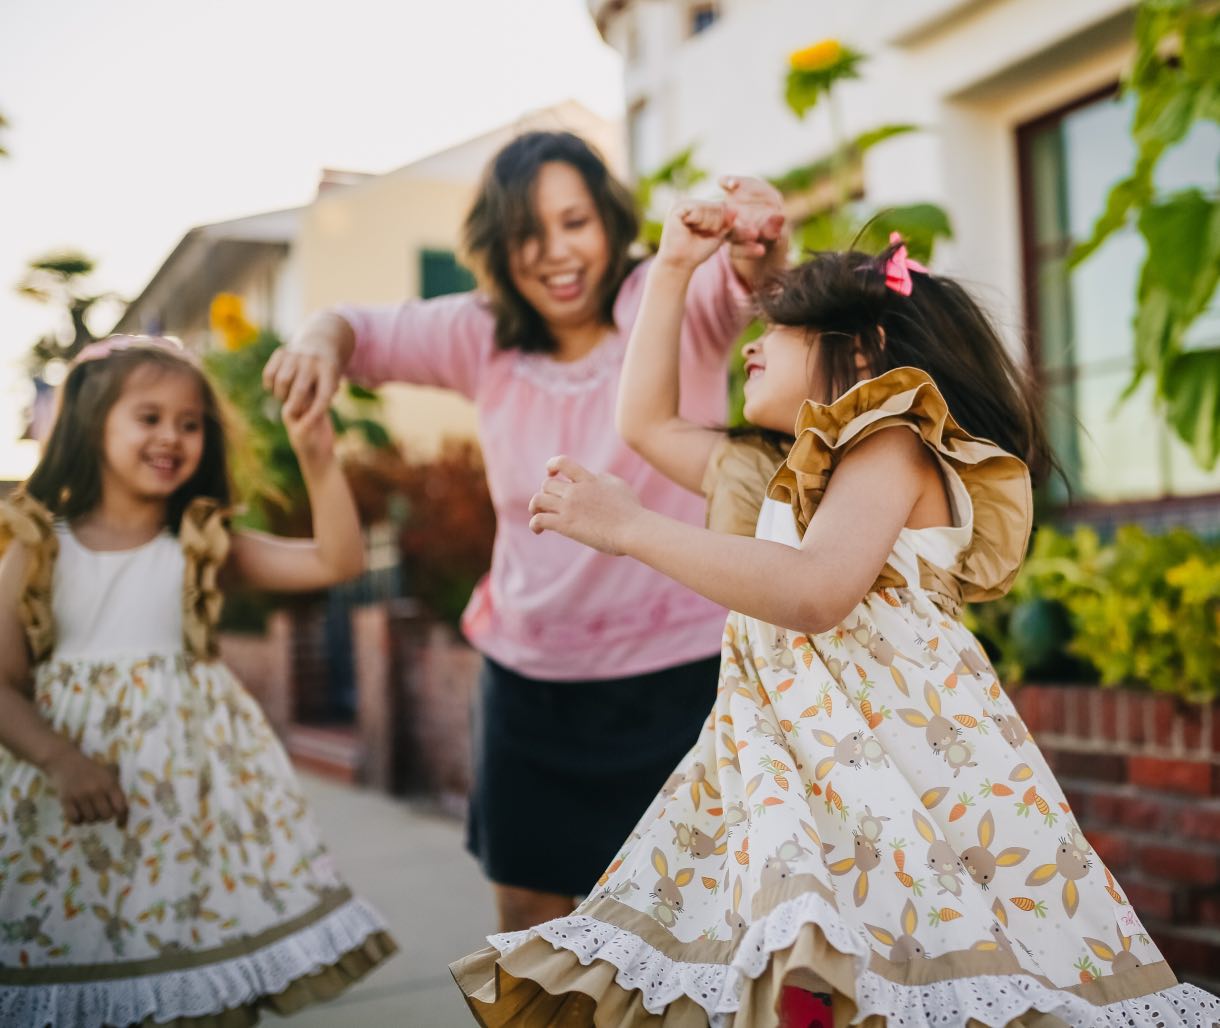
1142, 774
263, 664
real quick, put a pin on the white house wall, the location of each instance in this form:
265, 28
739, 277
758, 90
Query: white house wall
968, 72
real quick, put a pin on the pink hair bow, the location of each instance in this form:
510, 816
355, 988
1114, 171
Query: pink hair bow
899, 267
113, 344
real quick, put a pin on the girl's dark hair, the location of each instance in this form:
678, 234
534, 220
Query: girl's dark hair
68, 478
843, 298
503, 218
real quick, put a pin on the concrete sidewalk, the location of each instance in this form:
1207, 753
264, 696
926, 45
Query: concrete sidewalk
412, 867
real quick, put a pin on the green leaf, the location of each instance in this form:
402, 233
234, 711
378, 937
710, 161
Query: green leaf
1192, 396
919, 224
357, 392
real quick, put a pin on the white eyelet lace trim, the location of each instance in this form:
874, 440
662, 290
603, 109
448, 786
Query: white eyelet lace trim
989, 999
601, 364
197, 991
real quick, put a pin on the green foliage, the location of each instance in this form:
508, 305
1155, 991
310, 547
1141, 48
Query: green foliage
1143, 610
806, 176
1176, 82
677, 175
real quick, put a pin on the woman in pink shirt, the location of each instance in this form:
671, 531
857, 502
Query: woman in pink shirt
598, 673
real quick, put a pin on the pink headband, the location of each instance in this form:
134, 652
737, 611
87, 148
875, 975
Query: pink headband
115, 344
899, 267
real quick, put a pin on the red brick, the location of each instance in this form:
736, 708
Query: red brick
1097, 767
1114, 848
1028, 701
1189, 776
1053, 708
1207, 911
1076, 713
1191, 716
1152, 900
1200, 821
1163, 716
1189, 950
1178, 864
1112, 702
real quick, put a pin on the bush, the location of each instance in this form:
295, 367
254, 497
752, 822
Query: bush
1143, 610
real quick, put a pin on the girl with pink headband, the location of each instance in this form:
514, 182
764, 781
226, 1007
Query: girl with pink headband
157, 858
863, 827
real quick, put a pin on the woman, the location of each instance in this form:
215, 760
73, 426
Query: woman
598, 674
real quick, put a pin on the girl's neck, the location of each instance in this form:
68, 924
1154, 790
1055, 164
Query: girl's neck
576, 341
120, 522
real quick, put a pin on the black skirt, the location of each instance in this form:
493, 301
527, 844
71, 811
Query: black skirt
563, 771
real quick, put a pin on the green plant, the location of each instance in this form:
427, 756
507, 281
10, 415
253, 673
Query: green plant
1142, 610
676, 176
1175, 80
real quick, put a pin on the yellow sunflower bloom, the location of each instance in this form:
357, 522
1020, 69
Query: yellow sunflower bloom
816, 57
227, 316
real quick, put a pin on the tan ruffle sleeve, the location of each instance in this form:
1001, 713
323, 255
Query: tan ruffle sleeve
998, 482
735, 483
24, 519
204, 535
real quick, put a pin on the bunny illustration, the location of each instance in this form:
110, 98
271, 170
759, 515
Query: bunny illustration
1012, 728
882, 651
1121, 959
737, 923
668, 891
942, 734
866, 858
698, 843
905, 947
944, 863
779, 866
1072, 862
854, 750
981, 863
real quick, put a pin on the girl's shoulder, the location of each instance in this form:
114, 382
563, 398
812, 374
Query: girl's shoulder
996, 481
25, 521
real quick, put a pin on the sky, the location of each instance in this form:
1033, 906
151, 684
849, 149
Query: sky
131, 121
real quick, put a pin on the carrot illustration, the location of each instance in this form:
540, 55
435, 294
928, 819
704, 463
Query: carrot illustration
773, 801
990, 788
813, 711
943, 915
785, 685
1114, 893
1037, 908
743, 854
967, 720
710, 883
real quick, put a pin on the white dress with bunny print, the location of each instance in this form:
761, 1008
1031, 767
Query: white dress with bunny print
218, 896
865, 815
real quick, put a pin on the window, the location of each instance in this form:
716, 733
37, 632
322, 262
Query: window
440, 274
702, 16
1081, 319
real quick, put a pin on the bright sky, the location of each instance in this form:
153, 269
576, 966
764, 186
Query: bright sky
133, 120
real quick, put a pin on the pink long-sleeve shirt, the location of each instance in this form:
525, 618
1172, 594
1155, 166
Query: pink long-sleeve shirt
551, 608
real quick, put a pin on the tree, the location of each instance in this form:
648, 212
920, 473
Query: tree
1175, 80
58, 280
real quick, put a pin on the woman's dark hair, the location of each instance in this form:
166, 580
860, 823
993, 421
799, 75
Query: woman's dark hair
68, 478
844, 299
503, 218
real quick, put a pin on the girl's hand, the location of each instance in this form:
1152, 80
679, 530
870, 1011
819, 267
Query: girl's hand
597, 510
759, 222
693, 231
88, 790
313, 439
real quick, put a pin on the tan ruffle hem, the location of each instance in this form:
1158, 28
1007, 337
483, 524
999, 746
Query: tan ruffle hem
318, 987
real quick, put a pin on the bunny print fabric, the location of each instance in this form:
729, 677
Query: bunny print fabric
864, 814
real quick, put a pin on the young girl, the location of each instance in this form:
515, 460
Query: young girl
865, 815
157, 860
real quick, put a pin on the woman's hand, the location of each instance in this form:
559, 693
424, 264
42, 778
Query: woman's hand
597, 510
304, 375
758, 242
87, 790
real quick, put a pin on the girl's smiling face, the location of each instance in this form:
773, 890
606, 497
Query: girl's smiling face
152, 439
780, 367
